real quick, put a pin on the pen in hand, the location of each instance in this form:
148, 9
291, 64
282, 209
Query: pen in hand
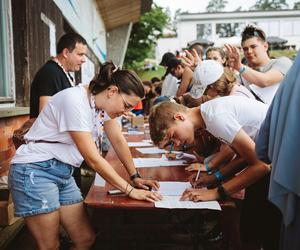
198, 172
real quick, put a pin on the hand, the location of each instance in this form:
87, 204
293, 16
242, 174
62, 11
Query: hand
140, 194
192, 194
195, 167
145, 184
191, 59
234, 57
203, 181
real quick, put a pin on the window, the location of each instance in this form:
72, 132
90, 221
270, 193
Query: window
6, 54
204, 31
229, 29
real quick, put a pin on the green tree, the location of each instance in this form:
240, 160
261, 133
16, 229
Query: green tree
216, 5
297, 6
144, 35
270, 5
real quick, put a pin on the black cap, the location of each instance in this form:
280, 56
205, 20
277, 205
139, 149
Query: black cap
172, 63
166, 57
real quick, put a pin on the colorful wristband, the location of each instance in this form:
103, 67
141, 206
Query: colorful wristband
208, 170
242, 70
219, 176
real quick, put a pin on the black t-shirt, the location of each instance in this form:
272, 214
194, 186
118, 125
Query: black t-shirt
49, 80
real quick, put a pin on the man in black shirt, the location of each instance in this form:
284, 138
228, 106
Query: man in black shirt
54, 75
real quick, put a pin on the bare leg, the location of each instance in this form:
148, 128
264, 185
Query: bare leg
76, 223
45, 230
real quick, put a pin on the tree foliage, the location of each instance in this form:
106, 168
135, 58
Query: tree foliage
270, 5
297, 6
216, 5
144, 35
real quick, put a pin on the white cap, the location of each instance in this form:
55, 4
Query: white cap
206, 73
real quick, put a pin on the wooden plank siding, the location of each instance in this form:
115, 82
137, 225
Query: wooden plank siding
32, 42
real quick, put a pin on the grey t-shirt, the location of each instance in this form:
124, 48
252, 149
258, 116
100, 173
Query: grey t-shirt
266, 94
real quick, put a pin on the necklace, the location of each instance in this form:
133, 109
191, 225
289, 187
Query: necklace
98, 124
71, 80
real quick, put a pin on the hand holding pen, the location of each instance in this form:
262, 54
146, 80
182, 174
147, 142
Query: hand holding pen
199, 170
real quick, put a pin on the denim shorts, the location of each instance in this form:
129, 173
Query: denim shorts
42, 187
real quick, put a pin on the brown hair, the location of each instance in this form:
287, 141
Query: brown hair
251, 31
161, 118
221, 52
127, 81
224, 84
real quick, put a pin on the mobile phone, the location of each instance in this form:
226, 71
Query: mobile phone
114, 191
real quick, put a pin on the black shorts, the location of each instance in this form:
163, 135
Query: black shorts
260, 219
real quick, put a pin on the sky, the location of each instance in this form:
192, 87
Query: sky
194, 6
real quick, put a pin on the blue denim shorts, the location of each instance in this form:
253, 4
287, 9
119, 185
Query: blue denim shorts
42, 187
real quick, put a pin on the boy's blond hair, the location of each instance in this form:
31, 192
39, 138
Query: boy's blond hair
161, 118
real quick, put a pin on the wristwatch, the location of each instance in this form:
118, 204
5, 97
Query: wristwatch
222, 193
136, 175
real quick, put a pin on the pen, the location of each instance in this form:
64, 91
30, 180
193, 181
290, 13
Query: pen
171, 147
198, 172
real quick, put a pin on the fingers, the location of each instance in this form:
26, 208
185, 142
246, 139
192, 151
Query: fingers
153, 196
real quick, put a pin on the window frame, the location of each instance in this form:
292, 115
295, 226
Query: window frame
8, 95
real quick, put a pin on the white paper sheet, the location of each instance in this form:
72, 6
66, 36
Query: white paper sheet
133, 132
99, 181
139, 144
148, 140
156, 162
173, 202
173, 187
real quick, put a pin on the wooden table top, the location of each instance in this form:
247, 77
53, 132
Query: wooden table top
98, 198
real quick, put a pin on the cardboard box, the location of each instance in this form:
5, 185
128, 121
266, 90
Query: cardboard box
137, 121
6, 209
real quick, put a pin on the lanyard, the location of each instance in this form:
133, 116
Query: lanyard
71, 81
98, 122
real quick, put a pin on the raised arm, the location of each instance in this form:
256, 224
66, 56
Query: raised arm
261, 79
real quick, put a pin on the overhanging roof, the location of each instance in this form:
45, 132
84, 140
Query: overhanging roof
116, 13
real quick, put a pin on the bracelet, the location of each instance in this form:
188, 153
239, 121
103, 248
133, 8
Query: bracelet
136, 175
208, 170
130, 191
219, 175
242, 70
222, 193
126, 187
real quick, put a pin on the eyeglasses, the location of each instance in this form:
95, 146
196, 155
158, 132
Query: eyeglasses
252, 31
127, 106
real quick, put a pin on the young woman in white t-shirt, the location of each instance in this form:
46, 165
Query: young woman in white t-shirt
64, 134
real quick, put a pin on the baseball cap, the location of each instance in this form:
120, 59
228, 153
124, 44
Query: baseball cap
166, 57
206, 73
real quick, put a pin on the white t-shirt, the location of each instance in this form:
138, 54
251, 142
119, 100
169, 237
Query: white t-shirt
169, 86
68, 110
266, 94
225, 116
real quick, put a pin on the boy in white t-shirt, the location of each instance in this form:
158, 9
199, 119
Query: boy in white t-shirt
234, 120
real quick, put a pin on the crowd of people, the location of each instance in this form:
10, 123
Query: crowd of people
238, 114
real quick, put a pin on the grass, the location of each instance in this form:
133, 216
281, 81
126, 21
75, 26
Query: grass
148, 74
288, 53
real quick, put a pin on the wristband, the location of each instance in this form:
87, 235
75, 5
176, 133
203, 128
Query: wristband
222, 193
242, 70
136, 175
208, 170
219, 176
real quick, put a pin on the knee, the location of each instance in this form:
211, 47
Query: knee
86, 240
54, 245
